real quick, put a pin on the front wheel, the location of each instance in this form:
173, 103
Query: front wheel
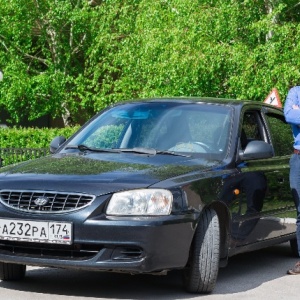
9, 271
201, 272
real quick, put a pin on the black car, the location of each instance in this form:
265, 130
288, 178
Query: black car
150, 186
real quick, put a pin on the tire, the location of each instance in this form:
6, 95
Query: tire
10, 272
294, 247
201, 272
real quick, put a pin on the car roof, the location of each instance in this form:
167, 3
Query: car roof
206, 100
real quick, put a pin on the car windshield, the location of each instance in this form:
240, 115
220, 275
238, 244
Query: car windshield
175, 127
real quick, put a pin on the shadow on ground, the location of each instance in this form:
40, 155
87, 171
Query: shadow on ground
244, 272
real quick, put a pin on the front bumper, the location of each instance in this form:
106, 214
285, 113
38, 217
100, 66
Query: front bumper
131, 245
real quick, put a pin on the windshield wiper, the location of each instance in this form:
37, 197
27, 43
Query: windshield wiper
139, 150
171, 153
150, 151
83, 148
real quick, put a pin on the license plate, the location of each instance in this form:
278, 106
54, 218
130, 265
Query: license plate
36, 231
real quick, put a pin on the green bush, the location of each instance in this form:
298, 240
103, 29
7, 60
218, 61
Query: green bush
20, 144
32, 137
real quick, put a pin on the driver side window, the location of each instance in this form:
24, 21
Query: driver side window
251, 128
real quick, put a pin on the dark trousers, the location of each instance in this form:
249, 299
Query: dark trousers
295, 186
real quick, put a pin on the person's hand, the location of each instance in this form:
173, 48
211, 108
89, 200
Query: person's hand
295, 106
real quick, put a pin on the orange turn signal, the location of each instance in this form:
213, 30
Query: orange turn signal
236, 191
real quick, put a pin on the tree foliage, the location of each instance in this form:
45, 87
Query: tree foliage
71, 58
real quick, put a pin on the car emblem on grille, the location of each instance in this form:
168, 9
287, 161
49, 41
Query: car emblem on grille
41, 201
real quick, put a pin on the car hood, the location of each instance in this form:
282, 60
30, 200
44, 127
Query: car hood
98, 173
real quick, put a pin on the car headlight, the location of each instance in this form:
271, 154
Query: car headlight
144, 202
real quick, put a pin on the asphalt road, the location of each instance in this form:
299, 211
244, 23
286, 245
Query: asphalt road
256, 275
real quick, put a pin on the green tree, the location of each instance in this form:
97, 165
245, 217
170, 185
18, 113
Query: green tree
239, 49
71, 58
43, 44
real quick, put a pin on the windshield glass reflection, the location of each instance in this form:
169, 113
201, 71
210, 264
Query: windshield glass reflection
164, 126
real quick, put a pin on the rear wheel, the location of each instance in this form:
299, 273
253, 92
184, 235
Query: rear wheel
10, 271
201, 273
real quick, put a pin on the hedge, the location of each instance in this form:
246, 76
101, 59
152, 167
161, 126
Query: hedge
31, 137
20, 144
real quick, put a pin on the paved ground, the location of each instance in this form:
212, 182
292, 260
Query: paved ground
256, 275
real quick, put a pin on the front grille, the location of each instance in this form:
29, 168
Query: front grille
44, 202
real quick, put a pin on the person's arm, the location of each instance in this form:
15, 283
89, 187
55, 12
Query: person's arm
291, 106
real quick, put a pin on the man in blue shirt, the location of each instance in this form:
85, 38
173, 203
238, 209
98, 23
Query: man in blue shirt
292, 116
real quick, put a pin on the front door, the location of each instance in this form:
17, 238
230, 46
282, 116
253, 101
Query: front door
263, 208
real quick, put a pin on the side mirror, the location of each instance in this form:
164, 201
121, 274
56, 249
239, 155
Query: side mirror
256, 150
56, 143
